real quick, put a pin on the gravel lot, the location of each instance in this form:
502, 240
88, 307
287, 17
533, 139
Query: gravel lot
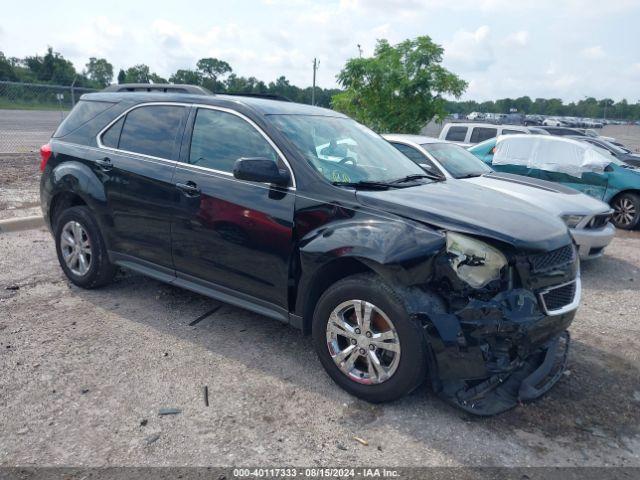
84, 374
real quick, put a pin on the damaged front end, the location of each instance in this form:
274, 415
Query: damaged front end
504, 341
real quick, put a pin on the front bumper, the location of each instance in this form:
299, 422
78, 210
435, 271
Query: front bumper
591, 243
492, 355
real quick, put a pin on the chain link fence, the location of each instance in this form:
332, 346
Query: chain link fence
30, 112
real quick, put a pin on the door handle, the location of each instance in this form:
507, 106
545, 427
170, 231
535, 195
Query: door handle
105, 164
190, 189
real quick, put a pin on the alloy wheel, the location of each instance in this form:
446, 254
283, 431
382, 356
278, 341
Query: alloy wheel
624, 211
76, 248
363, 342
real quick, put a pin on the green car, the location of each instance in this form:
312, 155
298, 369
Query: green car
578, 165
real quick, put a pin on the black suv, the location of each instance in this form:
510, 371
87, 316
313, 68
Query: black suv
305, 216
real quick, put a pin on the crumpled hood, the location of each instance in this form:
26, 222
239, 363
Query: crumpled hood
550, 196
464, 207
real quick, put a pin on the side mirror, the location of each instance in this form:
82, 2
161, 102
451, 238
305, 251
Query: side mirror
608, 168
260, 170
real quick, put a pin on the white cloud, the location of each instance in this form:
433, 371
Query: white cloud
593, 53
470, 50
517, 39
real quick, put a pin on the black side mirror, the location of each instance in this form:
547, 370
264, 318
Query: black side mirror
608, 168
260, 170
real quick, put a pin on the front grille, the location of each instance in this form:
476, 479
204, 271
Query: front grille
553, 259
599, 221
557, 298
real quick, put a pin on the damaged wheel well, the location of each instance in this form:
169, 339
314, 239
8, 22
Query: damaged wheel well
327, 275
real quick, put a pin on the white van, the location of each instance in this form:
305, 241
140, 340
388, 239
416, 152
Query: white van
467, 134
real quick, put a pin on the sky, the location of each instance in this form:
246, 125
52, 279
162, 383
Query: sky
567, 49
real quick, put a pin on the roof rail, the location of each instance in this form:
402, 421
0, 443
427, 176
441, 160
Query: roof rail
269, 96
158, 87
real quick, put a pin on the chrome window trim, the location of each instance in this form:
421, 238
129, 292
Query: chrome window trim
567, 308
196, 105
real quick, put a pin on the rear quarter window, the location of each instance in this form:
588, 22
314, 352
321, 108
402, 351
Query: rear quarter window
456, 134
83, 112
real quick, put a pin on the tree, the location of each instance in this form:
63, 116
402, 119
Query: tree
99, 71
122, 77
155, 78
52, 68
6, 69
190, 77
212, 70
400, 88
137, 74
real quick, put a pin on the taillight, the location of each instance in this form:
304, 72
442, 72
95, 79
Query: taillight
45, 155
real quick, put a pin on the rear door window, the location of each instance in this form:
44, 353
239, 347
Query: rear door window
111, 137
480, 134
456, 134
153, 130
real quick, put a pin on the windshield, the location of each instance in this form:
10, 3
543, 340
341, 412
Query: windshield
456, 160
343, 151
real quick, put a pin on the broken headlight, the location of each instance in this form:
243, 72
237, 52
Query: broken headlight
572, 221
475, 262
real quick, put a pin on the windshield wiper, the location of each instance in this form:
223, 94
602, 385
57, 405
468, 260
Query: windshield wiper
470, 175
418, 176
365, 184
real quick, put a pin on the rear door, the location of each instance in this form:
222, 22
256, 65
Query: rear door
141, 149
230, 233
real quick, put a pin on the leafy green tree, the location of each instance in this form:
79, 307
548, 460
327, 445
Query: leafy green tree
137, 74
190, 77
99, 71
6, 69
155, 78
212, 70
51, 68
400, 88
122, 77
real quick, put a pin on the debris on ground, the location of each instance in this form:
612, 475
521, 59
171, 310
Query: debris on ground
152, 438
361, 441
169, 411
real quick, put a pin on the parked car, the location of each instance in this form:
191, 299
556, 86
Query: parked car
590, 132
576, 164
561, 131
533, 120
554, 122
618, 152
398, 275
472, 133
586, 217
475, 116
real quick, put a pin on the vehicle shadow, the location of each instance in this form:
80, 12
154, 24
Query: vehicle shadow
595, 402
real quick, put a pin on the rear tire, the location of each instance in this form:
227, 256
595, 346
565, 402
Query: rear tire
384, 359
81, 250
626, 213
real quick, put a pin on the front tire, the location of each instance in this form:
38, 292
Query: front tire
366, 341
81, 250
626, 213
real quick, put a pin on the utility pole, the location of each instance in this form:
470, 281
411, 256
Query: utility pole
359, 51
316, 64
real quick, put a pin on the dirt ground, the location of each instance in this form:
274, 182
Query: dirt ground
84, 375
19, 185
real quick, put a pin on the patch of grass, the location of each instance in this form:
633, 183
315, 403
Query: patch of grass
7, 105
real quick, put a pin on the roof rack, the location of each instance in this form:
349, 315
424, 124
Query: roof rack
269, 96
157, 87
